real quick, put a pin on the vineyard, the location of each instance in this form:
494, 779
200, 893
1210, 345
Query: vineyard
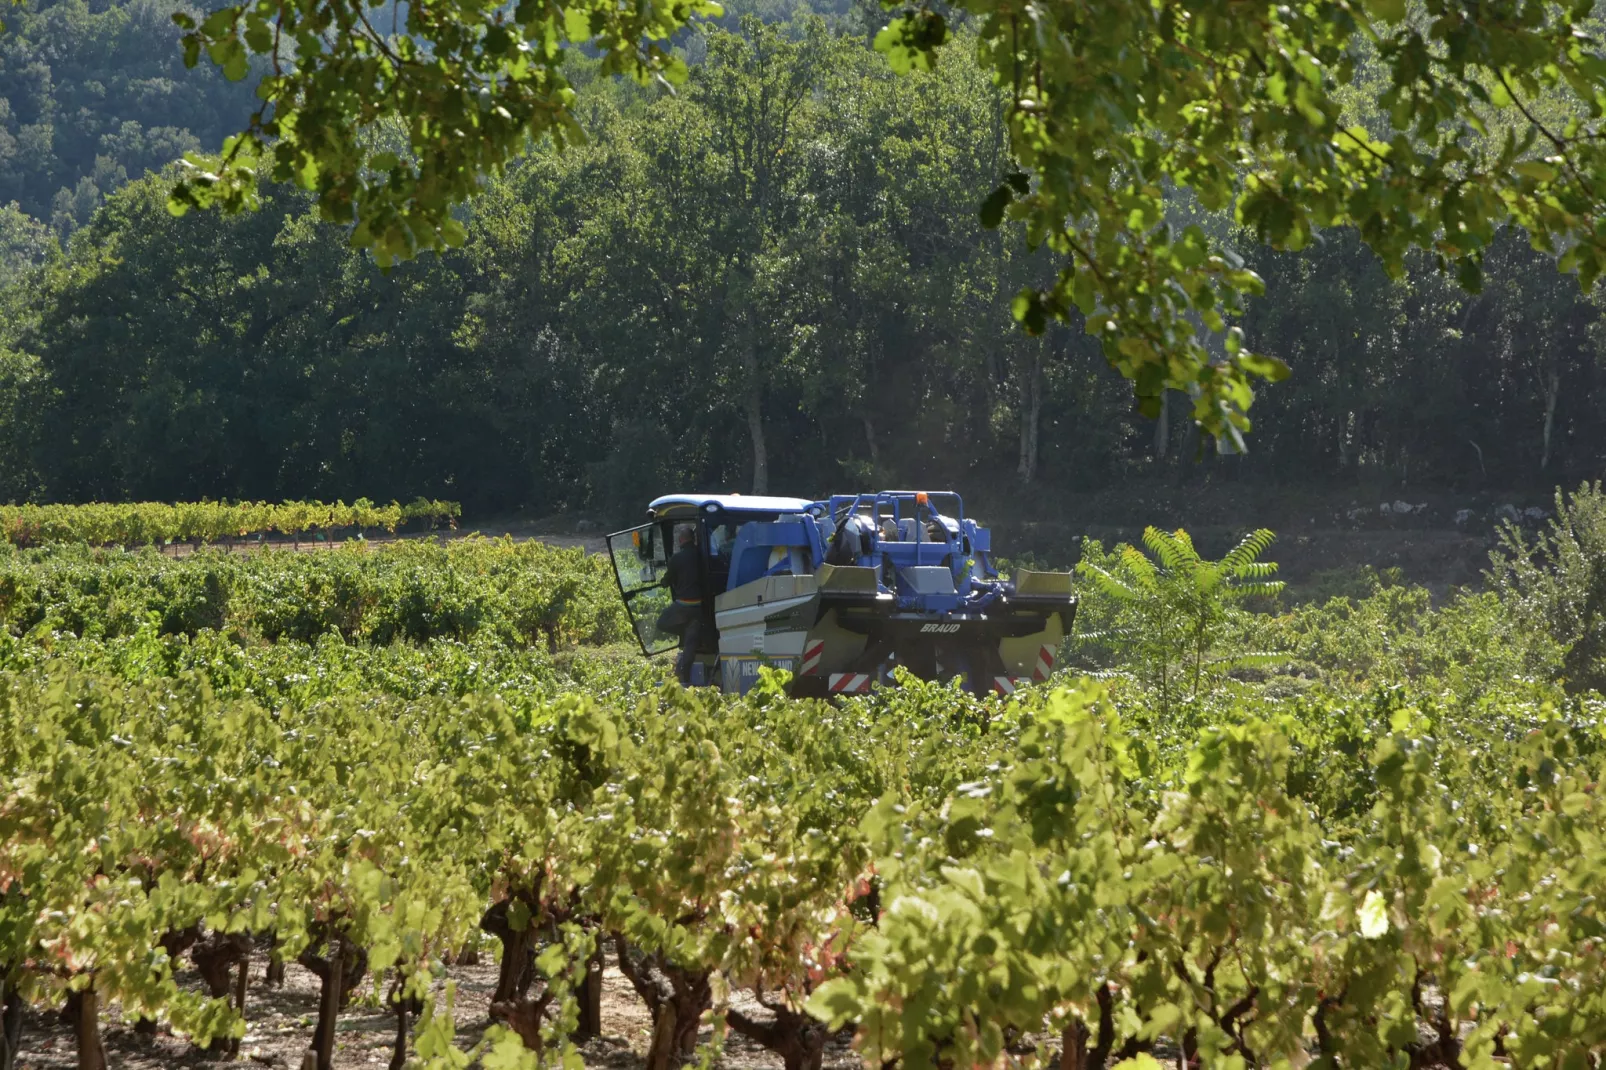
1233, 833
159, 524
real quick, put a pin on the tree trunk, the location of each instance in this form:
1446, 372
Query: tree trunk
84, 1008
353, 966
241, 983
755, 431
1162, 427
1191, 448
1074, 1051
398, 1054
754, 408
870, 442
524, 1017
216, 956
661, 1055
274, 973
10, 1025
1552, 395
405, 1006
1031, 410
1073, 1046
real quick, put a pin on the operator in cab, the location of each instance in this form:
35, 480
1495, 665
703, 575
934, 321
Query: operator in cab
684, 615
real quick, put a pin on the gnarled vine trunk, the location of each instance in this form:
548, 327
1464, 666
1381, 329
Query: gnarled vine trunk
10, 1022
517, 969
215, 958
524, 1016
797, 1038
675, 997
83, 1011
405, 1007
1079, 1050
590, 995
340, 973
274, 973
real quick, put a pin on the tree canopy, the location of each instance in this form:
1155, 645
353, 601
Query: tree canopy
1484, 115
94, 94
776, 274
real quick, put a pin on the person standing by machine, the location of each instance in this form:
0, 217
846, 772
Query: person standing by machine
684, 615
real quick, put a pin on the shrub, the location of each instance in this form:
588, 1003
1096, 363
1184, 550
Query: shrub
1167, 617
1556, 583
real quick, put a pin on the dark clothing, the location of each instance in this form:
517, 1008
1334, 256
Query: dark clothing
684, 576
690, 639
677, 616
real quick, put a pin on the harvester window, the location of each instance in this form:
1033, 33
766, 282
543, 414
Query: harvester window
640, 556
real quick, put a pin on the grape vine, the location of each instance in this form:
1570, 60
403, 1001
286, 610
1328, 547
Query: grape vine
158, 523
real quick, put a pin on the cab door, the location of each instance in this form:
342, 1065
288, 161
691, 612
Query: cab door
640, 555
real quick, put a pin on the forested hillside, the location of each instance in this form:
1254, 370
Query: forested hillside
774, 277
93, 94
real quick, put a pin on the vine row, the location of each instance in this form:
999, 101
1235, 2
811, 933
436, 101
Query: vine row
158, 523
964, 883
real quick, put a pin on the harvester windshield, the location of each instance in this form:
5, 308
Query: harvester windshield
640, 556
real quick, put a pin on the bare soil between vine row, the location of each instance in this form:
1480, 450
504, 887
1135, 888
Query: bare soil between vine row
280, 1021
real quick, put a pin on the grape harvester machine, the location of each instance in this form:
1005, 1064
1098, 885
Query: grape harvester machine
841, 591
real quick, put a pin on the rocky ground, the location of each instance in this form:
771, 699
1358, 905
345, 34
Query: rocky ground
280, 1021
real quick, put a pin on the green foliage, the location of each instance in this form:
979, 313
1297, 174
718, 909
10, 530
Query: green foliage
1556, 583
25, 243
715, 285
1355, 582
91, 96
159, 523
1272, 875
523, 594
1166, 616
332, 80
1472, 645
1210, 909
1297, 169
1484, 119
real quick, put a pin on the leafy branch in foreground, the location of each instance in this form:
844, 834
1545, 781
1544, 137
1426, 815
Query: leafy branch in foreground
1115, 105
468, 83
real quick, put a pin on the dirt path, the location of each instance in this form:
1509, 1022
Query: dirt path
279, 1024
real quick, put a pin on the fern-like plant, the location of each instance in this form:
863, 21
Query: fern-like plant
1167, 613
